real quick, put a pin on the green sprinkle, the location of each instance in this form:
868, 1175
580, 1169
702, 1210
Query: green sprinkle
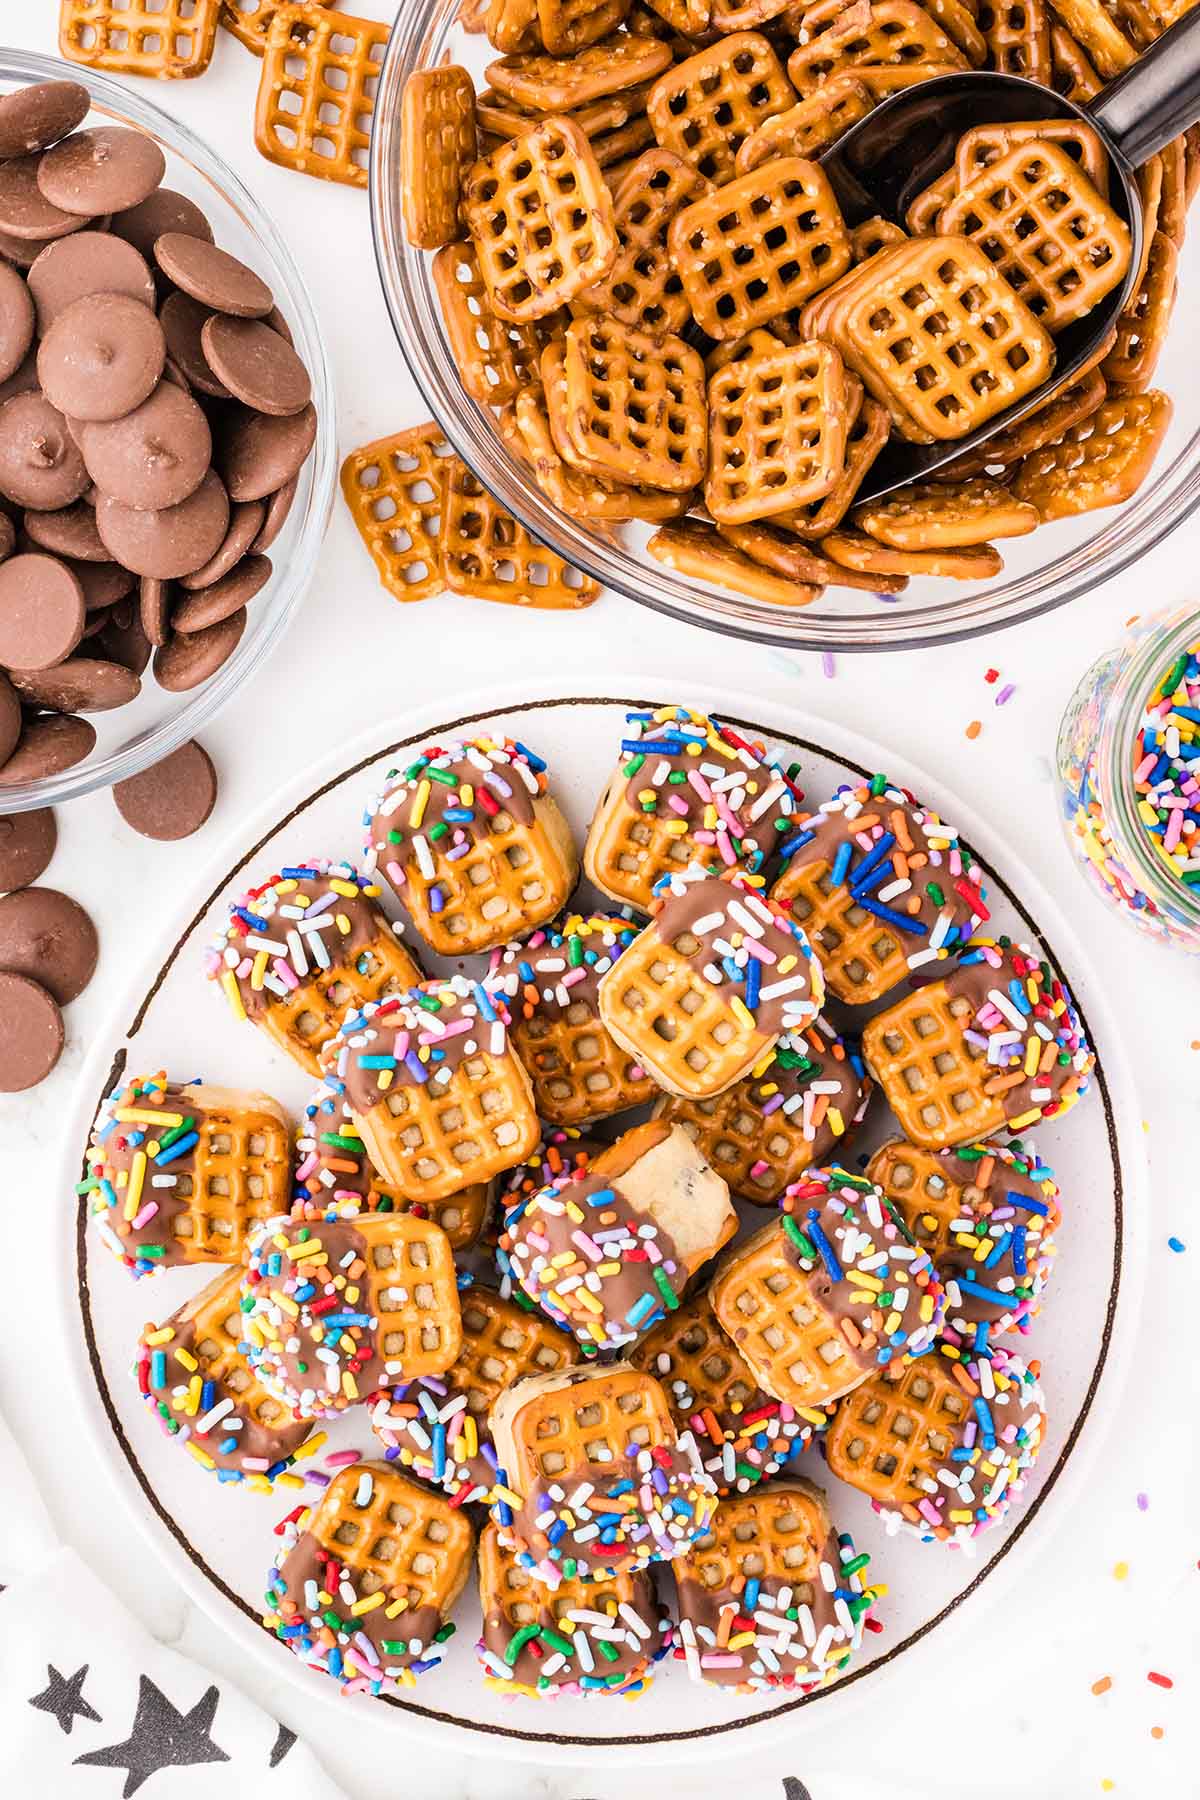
670, 1299
574, 951
634, 764
87, 1187
855, 1564
394, 1646
878, 785
518, 1641
395, 837
936, 894
176, 1131
805, 1246
440, 830
607, 1650
444, 776
676, 778
556, 1641
341, 1141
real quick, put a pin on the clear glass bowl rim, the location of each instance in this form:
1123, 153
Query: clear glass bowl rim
289, 582
1133, 530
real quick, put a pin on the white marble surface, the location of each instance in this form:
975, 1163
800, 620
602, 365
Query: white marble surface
1017, 1710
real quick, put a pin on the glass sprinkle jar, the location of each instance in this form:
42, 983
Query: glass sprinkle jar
1105, 817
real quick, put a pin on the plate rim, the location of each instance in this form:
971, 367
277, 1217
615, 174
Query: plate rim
1110, 1372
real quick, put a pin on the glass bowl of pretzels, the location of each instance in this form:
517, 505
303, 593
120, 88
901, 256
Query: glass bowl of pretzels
170, 517
640, 320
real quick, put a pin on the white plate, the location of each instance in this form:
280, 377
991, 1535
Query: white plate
218, 1540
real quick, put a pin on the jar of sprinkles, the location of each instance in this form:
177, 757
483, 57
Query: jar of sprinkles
1129, 776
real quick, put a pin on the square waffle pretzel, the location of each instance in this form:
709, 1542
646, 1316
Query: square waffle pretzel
862, 955
984, 144
932, 1076
167, 39
316, 93
394, 1537
938, 334
705, 106
1040, 221
643, 289
777, 431
568, 26
761, 244
865, 438
559, 1430
439, 141
658, 1005
1099, 462
893, 33
479, 1123
553, 84
207, 1195
487, 555
572, 490
497, 358
541, 218
777, 1533
1017, 34
208, 1330
249, 21
791, 1344
888, 1436
395, 489
634, 406
410, 1289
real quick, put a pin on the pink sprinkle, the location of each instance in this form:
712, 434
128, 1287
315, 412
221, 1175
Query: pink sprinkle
677, 804
759, 1168
1143, 1502
145, 1215
285, 972
574, 976
307, 1166
395, 873
827, 668
341, 1459
1006, 693
929, 1511
726, 848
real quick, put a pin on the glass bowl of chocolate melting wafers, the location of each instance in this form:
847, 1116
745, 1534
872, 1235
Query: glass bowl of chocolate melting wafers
163, 577
609, 369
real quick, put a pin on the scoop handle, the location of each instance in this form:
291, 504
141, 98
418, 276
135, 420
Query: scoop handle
1157, 97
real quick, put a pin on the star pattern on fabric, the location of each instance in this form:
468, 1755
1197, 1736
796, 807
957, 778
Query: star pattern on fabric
62, 1697
161, 1737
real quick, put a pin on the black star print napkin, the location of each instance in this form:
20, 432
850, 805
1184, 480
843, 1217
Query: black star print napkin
91, 1706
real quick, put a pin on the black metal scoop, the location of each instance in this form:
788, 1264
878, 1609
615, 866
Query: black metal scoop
883, 162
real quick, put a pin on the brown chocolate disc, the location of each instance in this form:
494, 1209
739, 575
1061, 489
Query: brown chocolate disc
154, 605
256, 365
86, 263
71, 531
48, 936
95, 622
155, 456
31, 1033
173, 798
218, 280
182, 320
102, 357
103, 583
40, 464
160, 212
27, 841
221, 598
25, 212
190, 658
122, 640
279, 505
32, 118
107, 169
258, 453
48, 745
41, 611
170, 542
10, 718
82, 684
8, 536
16, 320
245, 524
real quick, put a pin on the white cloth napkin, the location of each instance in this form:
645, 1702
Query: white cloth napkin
91, 1706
